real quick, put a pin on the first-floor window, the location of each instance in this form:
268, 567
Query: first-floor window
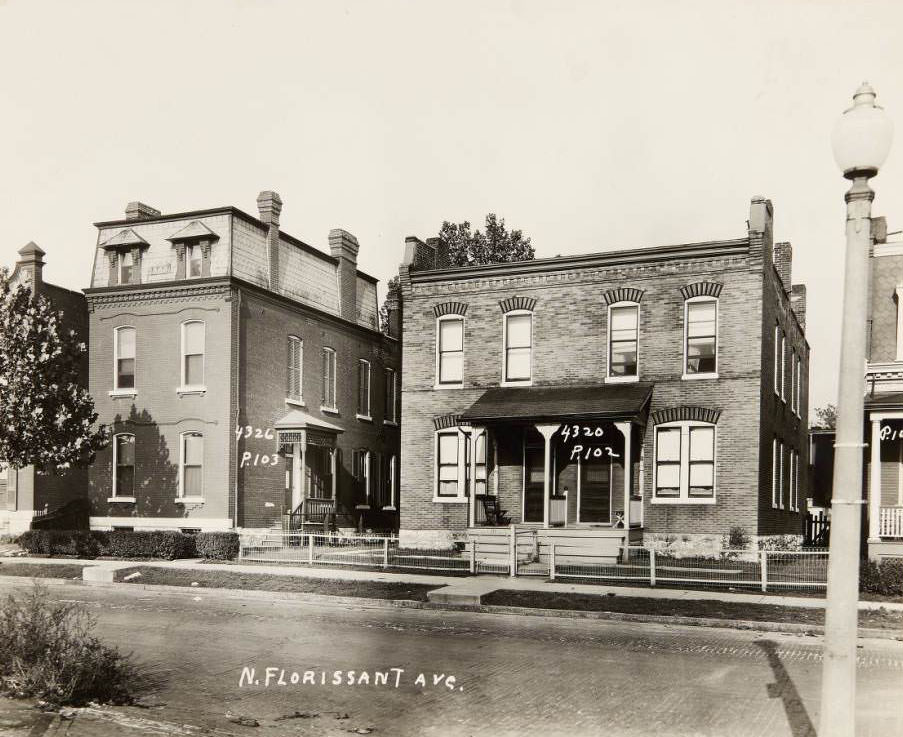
480, 464
192, 464
461, 462
124, 465
392, 470
447, 463
685, 461
775, 473
360, 470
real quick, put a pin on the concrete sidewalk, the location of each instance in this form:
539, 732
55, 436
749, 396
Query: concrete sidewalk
460, 590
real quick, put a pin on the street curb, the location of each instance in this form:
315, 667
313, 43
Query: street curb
812, 630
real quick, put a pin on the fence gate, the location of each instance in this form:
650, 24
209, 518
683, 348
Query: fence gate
818, 530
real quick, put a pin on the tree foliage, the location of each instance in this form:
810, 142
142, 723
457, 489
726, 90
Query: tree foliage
391, 286
46, 417
496, 244
826, 417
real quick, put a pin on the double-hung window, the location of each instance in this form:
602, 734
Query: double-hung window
799, 381
191, 471
391, 399
127, 268
450, 351
447, 482
124, 359
194, 259
295, 369
518, 359
363, 389
685, 463
701, 349
360, 471
124, 466
783, 367
623, 334
461, 463
193, 342
328, 394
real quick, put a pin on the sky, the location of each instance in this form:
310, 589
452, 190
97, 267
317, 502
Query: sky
591, 126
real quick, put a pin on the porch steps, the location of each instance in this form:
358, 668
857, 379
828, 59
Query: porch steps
572, 545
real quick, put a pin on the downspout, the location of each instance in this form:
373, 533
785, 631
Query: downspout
237, 412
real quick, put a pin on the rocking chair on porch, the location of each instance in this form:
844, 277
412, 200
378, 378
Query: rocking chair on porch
494, 515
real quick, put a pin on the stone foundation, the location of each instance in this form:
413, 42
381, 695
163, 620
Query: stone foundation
712, 545
428, 539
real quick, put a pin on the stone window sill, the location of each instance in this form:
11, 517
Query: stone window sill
189, 500
121, 393
697, 377
621, 379
295, 402
184, 391
329, 410
449, 500
121, 499
365, 418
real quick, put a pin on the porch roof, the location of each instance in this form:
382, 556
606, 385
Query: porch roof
884, 400
611, 402
298, 420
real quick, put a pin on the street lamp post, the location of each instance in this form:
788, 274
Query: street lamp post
861, 142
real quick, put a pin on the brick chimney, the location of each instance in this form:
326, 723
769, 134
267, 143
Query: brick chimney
30, 267
760, 228
344, 247
393, 310
783, 259
140, 211
798, 303
419, 255
269, 205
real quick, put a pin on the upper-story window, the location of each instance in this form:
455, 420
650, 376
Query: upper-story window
328, 394
518, 359
193, 340
685, 462
124, 358
127, 268
124, 465
793, 379
363, 389
701, 350
450, 350
390, 414
778, 365
799, 382
295, 368
194, 260
783, 366
623, 334
191, 476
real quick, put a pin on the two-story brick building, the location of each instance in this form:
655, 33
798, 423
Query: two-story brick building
243, 373
648, 392
26, 492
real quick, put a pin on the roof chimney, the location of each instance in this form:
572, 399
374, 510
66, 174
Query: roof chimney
30, 267
140, 211
344, 247
783, 258
798, 303
760, 227
269, 205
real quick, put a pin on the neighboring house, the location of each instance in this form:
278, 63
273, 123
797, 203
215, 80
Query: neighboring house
884, 398
26, 492
243, 374
649, 392
821, 470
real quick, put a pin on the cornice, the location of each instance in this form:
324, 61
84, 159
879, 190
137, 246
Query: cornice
108, 297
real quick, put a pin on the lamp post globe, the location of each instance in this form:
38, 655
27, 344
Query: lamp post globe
862, 136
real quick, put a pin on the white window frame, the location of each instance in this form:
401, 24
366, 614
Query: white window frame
182, 499
364, 455
120, 265
116, 497
449, 384
393, 468
463, 432
517, 382
792, 379
367, 415
391, 381
299, 400
799, 382
778, 368
609, 378
783, 367
126, 391
780, 474
324, 407
185, 388
684, 494
775, 473
189, 249
686, 348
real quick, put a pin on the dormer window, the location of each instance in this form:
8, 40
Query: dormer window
193, 245
194, 259
127, 268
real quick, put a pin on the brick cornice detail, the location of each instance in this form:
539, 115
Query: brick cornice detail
701, 289
622, 294
158, 296
518, 303
450, 308
686, 413
446, 421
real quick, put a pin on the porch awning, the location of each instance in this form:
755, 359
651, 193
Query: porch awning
884, 400
300, 427
608, 402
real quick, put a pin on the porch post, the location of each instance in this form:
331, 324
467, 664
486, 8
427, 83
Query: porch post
625, 428
302, 470
477, 431
332, 470
547, 431
875, 482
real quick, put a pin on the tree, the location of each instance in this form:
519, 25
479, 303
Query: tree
391, 286
826, 417
46, 417
493, 246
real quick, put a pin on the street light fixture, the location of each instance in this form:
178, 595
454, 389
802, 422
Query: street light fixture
861, 142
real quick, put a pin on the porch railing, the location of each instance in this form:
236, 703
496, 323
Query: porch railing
891, 522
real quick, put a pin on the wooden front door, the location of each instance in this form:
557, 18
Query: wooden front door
534, 488
595, 490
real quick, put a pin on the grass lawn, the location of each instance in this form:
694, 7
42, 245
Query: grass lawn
268, 582
40, 570
882, 619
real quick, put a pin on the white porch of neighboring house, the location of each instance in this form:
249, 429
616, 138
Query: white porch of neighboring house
884, 415
311, 457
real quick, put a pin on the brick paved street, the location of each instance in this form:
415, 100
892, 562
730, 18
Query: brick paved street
514, 675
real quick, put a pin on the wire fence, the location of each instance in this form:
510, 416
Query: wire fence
528, 554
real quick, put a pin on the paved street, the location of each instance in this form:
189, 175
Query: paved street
513, 675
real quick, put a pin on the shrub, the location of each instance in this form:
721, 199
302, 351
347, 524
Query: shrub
167, 544
217, 545
781, 542
738, 539
884, 578
48, 651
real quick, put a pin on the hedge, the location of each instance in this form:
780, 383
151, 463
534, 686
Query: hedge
165, 544
884, 578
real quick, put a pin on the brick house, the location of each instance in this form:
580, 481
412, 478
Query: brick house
243, 373
648, 392
26, 492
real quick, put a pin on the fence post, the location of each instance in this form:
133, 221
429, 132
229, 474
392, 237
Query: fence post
552, 560
651, 567
385, 552
764, 568
512, 551
473, 555
310, 549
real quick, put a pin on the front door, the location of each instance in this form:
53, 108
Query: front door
534, 488
595, 490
